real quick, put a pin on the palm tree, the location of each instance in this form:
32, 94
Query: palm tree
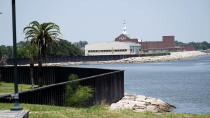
32, 52
41, 35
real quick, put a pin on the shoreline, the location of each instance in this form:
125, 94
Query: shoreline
173, 56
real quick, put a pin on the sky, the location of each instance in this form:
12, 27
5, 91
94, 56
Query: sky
102, 20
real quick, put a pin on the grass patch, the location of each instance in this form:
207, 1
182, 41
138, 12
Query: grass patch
156, 53
98, 111
7, 88
75, 94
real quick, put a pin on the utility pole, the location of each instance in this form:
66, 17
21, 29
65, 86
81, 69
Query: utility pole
16, 106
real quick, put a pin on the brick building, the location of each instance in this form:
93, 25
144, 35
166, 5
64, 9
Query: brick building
189, 48
166, 45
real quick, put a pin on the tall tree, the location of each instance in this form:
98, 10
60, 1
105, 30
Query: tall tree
0, 54
63, 48
41, 35
29, 51
33, 50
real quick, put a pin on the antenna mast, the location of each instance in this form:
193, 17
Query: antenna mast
124, 28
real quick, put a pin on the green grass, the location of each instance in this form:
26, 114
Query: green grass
98, 111
7, 88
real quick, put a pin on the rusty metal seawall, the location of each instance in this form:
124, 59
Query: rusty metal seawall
108, 85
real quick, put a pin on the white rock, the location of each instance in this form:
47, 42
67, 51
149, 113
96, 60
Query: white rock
152, 108
140, 98
140, 103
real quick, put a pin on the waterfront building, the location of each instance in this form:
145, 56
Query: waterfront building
112, 48
166, 45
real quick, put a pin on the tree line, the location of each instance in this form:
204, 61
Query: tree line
197, 45
58, 49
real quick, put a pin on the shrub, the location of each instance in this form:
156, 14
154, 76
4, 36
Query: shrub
3, 60
75, 94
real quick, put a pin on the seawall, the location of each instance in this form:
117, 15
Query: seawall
173, 56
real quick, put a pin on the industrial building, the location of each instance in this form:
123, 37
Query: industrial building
166, 45
124, 45
112, 48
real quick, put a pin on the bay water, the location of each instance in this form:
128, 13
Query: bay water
182, 83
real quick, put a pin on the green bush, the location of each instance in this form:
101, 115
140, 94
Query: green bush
77, 95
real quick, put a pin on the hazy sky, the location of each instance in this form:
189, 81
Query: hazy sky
97, 20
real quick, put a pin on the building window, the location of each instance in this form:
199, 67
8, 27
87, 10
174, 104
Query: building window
104, 51
122, 38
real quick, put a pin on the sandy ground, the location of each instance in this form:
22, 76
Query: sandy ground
173, 56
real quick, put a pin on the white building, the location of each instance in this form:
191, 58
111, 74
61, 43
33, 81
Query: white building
112, 48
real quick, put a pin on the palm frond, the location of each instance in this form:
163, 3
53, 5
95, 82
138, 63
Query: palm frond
35, 24
42, 35
30, 28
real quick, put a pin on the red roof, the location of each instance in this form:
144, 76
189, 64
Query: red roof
125, 38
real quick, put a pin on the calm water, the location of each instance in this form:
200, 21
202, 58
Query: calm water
183, 83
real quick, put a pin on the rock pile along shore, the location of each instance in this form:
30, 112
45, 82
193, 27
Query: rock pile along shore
140, 103
173, 56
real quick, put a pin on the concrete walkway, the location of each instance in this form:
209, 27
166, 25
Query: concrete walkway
14, 114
